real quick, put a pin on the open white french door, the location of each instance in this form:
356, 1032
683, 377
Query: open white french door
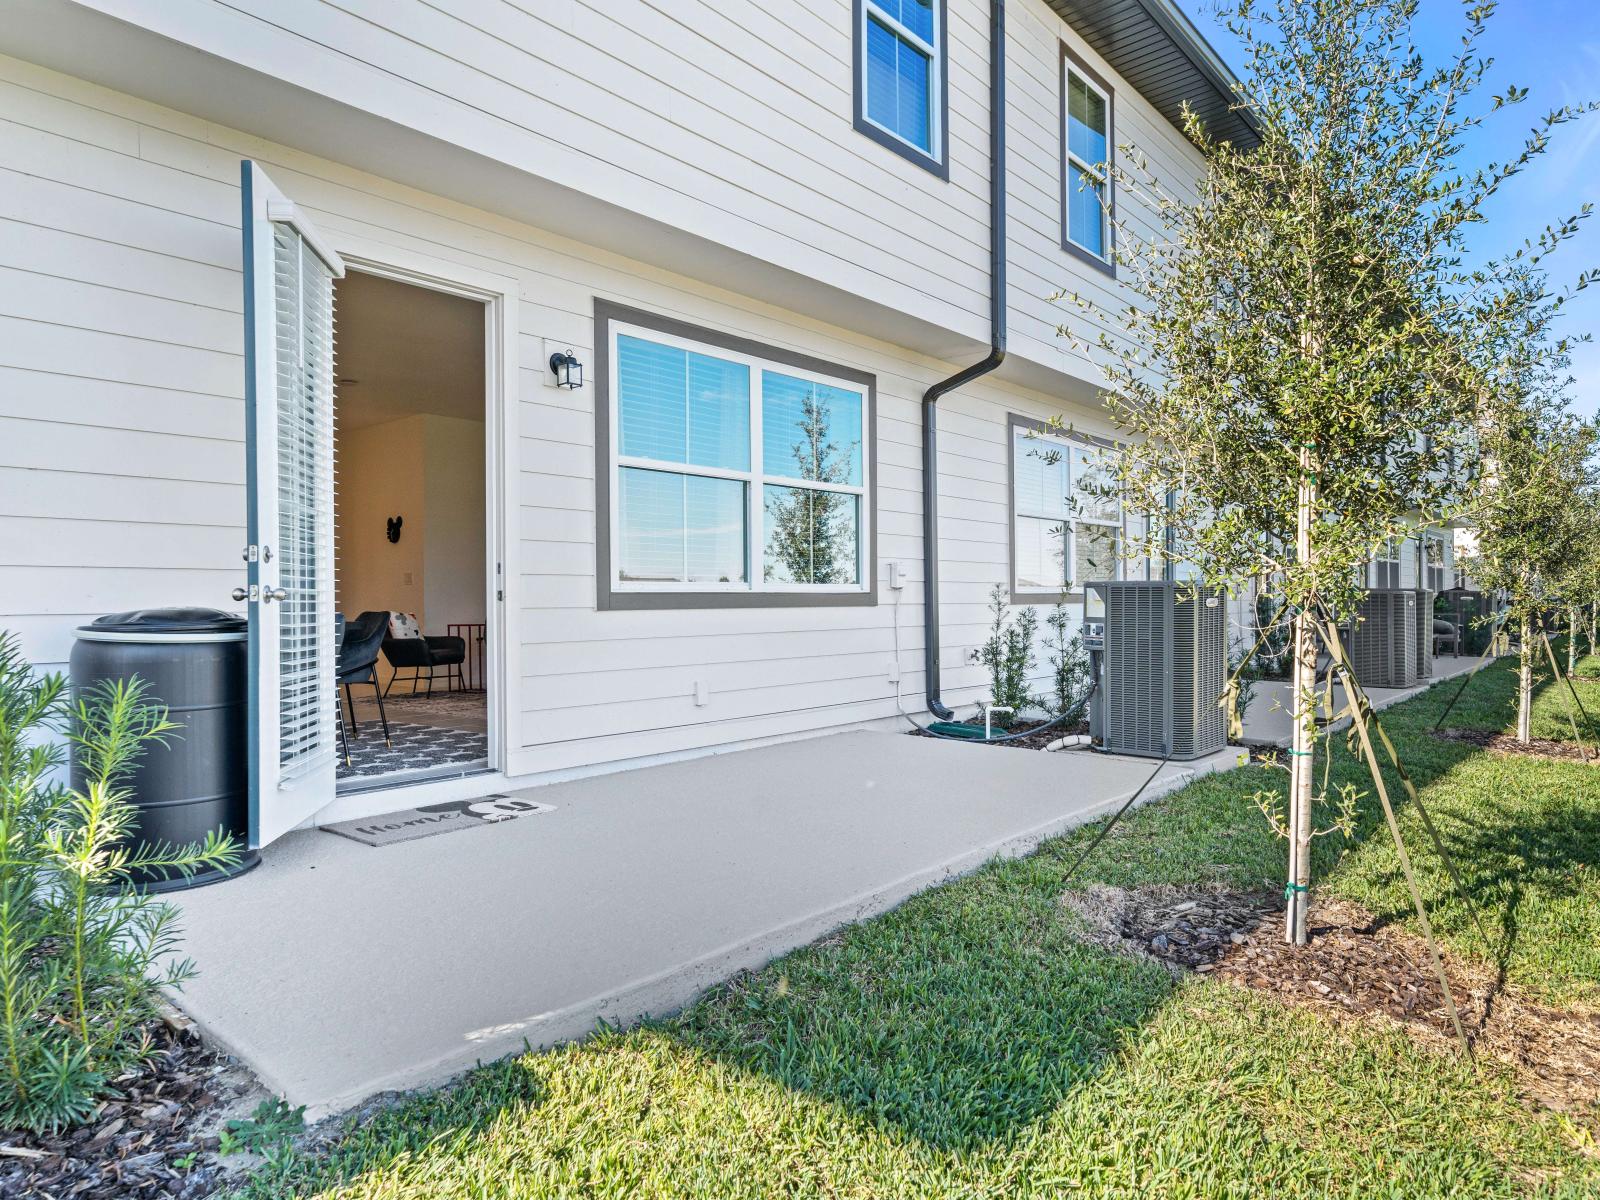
288, 351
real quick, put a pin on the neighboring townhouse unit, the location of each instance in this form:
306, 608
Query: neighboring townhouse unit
599, 334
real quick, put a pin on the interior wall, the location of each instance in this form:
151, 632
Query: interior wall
428, 470
381, 475
454, 584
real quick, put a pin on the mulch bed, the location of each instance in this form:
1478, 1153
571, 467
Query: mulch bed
1036, 735
1502, 743
1354, 967
152, 1118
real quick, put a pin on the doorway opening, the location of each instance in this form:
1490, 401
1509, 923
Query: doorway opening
412, 539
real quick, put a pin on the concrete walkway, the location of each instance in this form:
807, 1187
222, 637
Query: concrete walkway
1267, 722
336, 970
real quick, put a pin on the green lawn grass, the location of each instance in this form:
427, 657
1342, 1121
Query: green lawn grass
967, 1045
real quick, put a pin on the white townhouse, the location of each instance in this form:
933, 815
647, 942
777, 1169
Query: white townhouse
670, 362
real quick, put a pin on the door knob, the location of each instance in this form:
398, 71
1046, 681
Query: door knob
240, 595
270, 594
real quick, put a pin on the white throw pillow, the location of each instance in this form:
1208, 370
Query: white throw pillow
404, 625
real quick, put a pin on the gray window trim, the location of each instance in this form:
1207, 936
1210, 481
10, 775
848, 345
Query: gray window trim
936, 165
1107, 265
606, 599
1015, 422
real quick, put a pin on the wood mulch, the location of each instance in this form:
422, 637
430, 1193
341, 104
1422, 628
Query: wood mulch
154, 1137
1355, 967
1504, 743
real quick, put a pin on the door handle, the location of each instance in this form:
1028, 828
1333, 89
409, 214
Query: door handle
240, 595
269, 594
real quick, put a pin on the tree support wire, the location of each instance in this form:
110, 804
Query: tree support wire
1361, 714
1483, 660
1572, 699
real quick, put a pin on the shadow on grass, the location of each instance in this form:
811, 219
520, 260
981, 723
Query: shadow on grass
970, 1013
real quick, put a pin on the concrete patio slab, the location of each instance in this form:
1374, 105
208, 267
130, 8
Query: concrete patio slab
1267, 722
336, 970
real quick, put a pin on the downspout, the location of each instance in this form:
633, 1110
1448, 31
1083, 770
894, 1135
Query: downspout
997, 355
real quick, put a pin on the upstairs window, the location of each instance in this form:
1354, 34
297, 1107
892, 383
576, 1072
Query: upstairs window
900, 69
1433, 562
736, 475
1086, 145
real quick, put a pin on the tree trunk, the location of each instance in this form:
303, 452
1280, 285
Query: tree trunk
1594, 622
1304, 716
1525, 684
1572, 641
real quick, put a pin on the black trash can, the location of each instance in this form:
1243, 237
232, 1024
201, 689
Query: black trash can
196, 662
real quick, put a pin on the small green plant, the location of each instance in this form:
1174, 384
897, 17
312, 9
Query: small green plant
1008, 653
272, 1124
1069, 662
83, 956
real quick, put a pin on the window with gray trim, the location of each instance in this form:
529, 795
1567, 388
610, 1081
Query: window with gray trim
729, 474
1065, 531
1088, 147
900, 87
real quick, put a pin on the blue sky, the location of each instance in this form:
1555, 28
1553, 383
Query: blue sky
1552, 48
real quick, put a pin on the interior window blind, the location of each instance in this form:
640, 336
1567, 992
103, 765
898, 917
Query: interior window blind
304, 315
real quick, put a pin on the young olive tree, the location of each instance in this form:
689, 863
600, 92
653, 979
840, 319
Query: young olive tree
1297, 368
1535, 518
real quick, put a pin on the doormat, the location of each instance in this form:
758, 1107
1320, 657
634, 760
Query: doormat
409, 824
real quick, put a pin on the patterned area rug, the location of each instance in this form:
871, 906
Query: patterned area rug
446, 704
416, 748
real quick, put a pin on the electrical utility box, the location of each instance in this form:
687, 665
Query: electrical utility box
1162, 669
1424, 634
1382, 638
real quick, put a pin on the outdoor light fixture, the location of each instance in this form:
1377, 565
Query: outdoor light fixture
568, 370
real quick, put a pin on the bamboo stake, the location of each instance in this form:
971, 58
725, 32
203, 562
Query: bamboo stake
1352, 688
1362, 703
1483, 660
1572, 719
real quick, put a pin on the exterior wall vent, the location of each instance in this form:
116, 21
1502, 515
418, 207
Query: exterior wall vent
1164, 668
1383, 638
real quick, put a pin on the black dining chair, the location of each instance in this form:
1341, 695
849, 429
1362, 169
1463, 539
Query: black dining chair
426, 654
358, 663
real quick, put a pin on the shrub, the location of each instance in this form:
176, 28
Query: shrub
1069, 662
1008, 653
82, 953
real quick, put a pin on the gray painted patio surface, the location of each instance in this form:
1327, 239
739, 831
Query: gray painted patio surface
1267, 721
336, 970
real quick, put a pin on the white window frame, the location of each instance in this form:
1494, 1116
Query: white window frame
1069, 71
755, 479
1387, 561
1023, 433
869, 10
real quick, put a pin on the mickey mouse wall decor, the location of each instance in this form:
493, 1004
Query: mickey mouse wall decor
394, 528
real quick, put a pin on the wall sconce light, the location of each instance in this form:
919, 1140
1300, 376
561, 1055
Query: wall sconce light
568, 370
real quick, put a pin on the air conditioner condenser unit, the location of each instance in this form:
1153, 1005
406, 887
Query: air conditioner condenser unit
1163, 669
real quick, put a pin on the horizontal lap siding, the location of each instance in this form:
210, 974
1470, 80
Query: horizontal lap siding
121, 438
731, 122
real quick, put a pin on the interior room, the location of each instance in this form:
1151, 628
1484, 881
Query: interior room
409, 407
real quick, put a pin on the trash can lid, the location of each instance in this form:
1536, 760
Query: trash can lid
167, 624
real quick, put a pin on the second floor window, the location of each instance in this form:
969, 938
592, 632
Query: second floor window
900, 77
1386, 565
1086, 146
